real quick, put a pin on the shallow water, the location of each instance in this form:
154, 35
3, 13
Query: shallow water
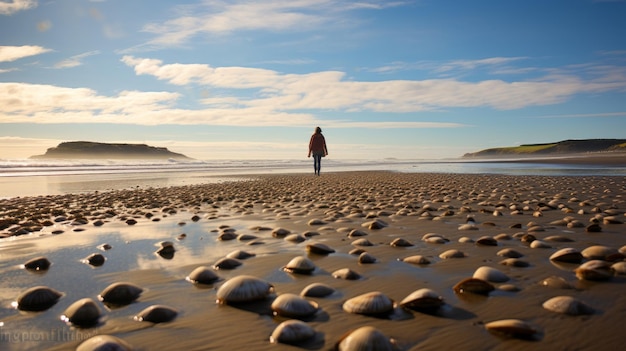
203, 324
30, 178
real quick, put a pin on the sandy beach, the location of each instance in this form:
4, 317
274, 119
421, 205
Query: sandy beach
276, 218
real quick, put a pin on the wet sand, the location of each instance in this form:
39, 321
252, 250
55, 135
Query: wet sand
609, 159
411, 205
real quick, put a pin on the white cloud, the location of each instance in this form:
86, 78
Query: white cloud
330, 90
586, 115
372, 5
38, 103
392, 125
75, 60
243, 96
183, 74
473, 64
494, 64
613, 53
221, 17
33, 103
13, 53
13, 6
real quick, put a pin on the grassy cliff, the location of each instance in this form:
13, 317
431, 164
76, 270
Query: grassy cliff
564, 147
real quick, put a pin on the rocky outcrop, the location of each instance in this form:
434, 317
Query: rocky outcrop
91, 150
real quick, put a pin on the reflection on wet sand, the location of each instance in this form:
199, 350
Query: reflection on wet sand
331, 206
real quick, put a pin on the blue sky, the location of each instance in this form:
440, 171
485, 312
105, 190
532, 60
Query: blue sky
421, 79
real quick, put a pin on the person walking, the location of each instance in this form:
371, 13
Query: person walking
317, 147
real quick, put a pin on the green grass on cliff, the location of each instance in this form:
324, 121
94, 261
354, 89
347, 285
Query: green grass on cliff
620, 146
558, 148
526, 149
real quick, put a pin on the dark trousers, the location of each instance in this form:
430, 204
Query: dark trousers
317, 163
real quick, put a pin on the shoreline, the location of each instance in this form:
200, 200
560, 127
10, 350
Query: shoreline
596, 159
324, 210
83, 180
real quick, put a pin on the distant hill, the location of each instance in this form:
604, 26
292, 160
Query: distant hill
564, 147
91, 150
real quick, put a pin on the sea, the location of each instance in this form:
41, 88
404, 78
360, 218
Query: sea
28, 177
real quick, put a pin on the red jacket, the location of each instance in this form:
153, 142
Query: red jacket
317, 145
